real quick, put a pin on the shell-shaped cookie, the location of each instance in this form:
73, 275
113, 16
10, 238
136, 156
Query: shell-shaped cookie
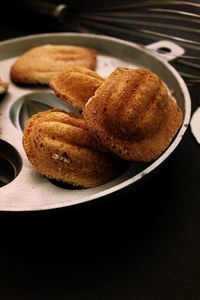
133, 114
39, 64
60, 147
76, 85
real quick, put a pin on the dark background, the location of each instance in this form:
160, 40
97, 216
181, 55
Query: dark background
142, 245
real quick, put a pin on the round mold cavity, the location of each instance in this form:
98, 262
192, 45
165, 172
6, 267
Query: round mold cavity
32, 103
10, 163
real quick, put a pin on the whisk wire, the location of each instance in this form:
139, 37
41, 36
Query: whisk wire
152, 20
149, 3
120, 21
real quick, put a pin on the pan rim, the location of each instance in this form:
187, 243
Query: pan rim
149, 169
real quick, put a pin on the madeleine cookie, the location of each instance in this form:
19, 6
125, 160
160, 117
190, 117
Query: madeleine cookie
3, 87
39, 64
60, 147
133, 114
76, 85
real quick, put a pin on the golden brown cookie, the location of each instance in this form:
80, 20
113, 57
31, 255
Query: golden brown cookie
3, 87
39, 64
133, 114
76, 85
60, 147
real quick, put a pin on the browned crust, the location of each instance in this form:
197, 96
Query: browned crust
39, 64
60, 147
3, 86
76, 85
133, 115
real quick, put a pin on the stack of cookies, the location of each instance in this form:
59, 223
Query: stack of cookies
128, 116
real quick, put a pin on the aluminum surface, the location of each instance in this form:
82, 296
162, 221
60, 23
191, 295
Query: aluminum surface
29, 190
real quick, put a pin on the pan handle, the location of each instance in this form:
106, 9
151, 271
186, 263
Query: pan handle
166, 50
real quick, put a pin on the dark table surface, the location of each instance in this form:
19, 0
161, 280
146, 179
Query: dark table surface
145, 245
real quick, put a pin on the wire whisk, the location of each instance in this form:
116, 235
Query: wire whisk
142, 22
148, 21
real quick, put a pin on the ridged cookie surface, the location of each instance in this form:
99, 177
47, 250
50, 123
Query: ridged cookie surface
133, 114
60, 147
76, 85
39, 64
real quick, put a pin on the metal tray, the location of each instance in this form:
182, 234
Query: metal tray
23, 189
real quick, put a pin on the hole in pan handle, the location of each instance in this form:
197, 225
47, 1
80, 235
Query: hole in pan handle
165, 49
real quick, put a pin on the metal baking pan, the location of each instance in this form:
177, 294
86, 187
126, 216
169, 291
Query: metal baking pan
22, 187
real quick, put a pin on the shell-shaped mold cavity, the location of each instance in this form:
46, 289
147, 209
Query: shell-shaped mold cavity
32, 103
